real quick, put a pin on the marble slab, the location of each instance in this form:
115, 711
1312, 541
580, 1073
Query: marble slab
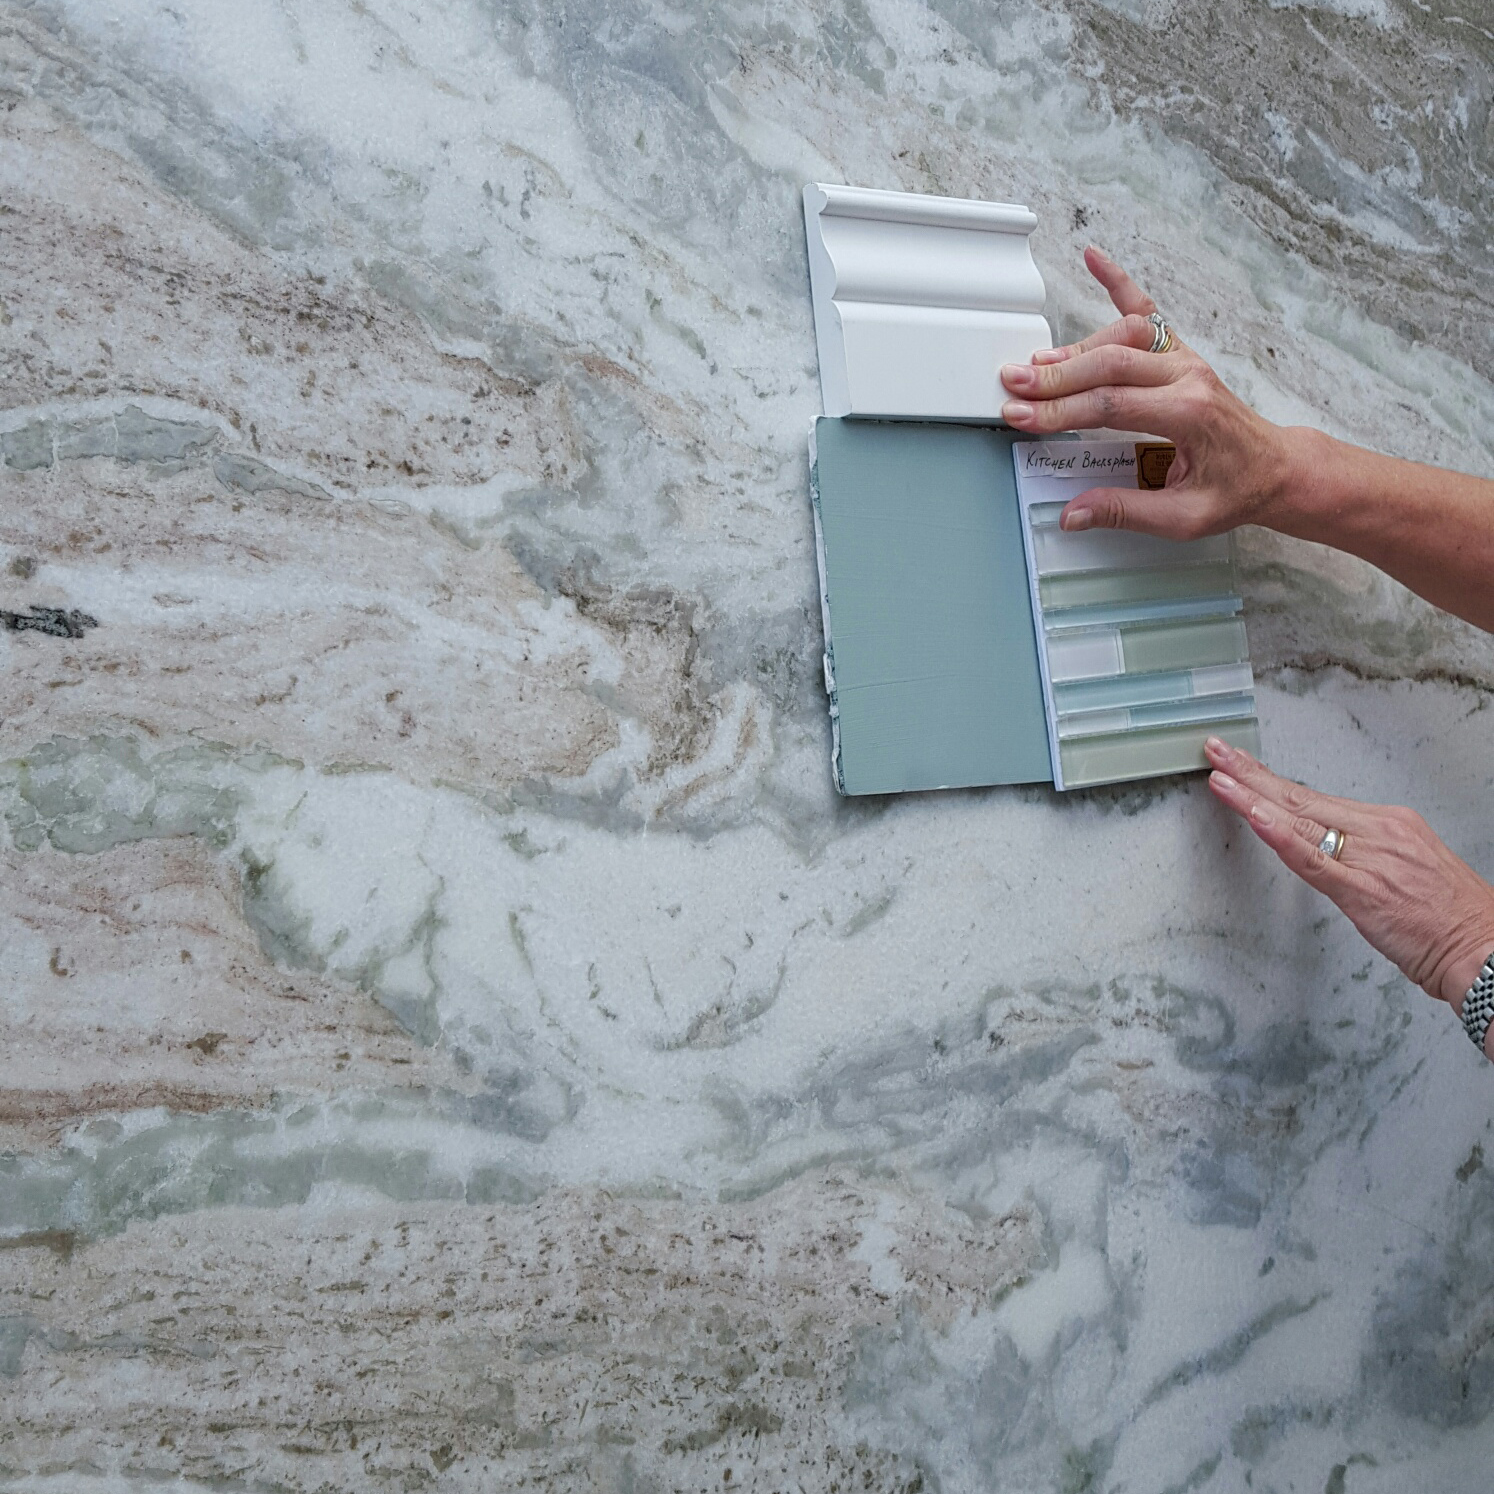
454, 1036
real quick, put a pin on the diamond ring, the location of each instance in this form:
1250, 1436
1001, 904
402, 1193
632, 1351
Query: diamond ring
1332, 844
1162, 338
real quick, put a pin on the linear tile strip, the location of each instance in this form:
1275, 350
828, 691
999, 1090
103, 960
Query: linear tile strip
1155, 583
1151, 689
1148, 754
1170, 713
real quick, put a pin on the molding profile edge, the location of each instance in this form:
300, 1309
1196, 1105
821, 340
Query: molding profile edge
919, 300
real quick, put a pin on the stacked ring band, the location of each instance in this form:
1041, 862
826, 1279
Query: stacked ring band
1332, 844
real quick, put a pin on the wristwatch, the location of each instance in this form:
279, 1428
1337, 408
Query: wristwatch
1478, 1005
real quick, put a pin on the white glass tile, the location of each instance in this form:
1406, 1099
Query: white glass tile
1223, 679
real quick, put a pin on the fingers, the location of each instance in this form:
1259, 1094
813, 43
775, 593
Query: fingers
1290, 836
1131, 332
1119, 406
1292, 798
1093, 369
1169, 513
1129, 298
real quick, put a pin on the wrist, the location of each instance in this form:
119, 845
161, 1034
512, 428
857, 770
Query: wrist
1461, 967
1295, 495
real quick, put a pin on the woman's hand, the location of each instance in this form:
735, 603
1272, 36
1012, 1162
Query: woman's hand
1232, 466
1421, 907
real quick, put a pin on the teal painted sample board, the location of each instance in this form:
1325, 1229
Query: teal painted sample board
931, 657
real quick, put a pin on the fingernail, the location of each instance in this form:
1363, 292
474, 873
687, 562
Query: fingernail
1223, 781
1220, 750
1080, 518
1017, 375
1097, 250
1015, 410
1044, 356
1261, 815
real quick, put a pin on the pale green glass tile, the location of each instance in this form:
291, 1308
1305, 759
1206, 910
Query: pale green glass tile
1122, 690
1148, 754
1113, 614
1056, 550
1090, 588
1183, 645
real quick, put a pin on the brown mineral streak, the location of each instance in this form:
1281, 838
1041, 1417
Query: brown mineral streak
688, 1336
242, 671
142, 1027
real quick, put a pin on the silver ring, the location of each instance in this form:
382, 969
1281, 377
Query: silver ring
1332, 844
1162, 338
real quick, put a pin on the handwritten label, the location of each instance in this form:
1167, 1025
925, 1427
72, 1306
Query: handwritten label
1075, 459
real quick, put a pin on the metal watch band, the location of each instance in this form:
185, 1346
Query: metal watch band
1478, 1005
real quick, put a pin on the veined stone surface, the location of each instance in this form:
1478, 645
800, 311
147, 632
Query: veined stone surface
453, 1035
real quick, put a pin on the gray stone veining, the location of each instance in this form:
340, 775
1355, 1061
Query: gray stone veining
453, 1035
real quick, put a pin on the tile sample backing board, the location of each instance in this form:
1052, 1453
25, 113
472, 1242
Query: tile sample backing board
1143, 651
931, 660
969, 641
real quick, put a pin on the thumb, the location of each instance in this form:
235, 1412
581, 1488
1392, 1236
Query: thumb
1171, 513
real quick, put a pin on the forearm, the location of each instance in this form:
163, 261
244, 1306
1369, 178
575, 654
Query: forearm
1432, 530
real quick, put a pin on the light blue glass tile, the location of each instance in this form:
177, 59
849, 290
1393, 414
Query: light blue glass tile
1201, 708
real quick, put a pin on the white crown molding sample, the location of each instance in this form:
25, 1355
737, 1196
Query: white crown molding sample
918, 301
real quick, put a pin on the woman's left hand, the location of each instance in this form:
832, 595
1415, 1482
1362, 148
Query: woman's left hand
1416, 902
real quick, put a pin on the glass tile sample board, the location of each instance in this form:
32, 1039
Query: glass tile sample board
970, 641
1142, 647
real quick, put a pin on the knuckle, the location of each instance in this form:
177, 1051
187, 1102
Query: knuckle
1307, 829
1296, 798
1115, 360
1107, 401
1404, 827
1113, 514
1049, 379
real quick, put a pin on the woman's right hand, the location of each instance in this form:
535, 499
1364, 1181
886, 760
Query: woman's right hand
1410, 897
1232, 466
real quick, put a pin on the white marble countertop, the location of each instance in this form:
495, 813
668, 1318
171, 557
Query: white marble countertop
453, 1034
